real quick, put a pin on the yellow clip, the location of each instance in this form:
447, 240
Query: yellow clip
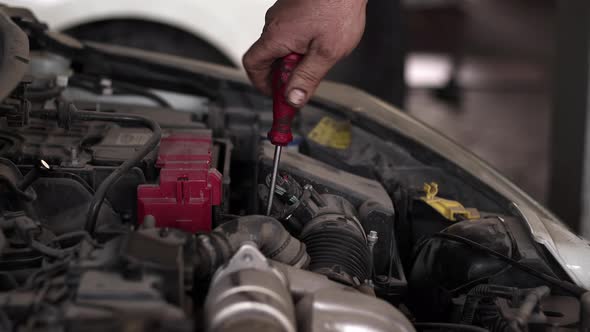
447, 208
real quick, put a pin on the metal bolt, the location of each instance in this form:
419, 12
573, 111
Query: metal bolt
74, 156
62, 81
107, 87
372, 239
106, 83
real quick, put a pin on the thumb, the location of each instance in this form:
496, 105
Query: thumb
307, 76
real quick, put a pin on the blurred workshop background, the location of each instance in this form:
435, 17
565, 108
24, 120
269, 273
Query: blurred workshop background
480, 72
507, 79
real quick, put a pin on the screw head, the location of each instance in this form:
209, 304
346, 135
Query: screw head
372, 237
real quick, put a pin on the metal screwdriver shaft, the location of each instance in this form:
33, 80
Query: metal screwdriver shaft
282, 116
273, 181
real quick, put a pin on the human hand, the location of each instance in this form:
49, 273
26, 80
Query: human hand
323, 31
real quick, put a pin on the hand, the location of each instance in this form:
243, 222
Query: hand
324, 31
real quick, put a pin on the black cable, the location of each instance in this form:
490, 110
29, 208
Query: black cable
49, 251
91, 84
119, 65
27, 196
43, 95
73, 114
483, 280
149, 146
564, 285
86, 83
46, 272
450, 326
123, 88
80, 235
477, 293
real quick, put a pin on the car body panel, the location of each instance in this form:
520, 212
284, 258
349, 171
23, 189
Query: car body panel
231, 26
570, 250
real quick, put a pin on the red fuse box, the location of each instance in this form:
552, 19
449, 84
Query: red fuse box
188, 186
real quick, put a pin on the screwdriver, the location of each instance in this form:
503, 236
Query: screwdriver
282, 116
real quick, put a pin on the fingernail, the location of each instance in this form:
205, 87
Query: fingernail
296, 96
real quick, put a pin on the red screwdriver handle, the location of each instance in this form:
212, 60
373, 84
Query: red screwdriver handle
282, 113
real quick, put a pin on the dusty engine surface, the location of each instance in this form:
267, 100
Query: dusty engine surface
131, 200
177, 183
163, 239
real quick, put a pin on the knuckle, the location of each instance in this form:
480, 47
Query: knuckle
270, 13
271, 23
328, 53
307, 76
248, 60
268, 39
246, 57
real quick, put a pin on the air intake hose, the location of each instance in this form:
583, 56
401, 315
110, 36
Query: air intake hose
268, 234
335, 239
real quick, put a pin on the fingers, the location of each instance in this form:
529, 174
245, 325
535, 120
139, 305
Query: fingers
308, 75
323, 31
259, 59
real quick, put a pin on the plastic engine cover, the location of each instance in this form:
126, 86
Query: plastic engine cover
188, 186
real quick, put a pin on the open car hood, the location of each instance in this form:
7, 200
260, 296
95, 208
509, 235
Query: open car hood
570, 250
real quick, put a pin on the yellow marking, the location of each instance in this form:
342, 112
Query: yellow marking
331, 133
447, 208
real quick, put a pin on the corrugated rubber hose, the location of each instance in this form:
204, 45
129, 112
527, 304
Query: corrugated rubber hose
267, 233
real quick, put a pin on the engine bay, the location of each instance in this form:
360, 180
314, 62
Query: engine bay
125, 209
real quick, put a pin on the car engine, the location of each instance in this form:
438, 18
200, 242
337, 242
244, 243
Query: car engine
125, 209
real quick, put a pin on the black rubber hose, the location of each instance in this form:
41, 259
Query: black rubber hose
564, 285
495, 290
76, 235
486, 290
49, 251
449, 326
43, 95
267, 233
149, 146
126, 119
124, 88
90, 84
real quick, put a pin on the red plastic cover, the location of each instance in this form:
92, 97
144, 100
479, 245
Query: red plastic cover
188, 186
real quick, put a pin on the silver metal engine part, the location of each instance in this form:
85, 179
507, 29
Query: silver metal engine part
248, 293
341, 310
251, 293
327, 306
